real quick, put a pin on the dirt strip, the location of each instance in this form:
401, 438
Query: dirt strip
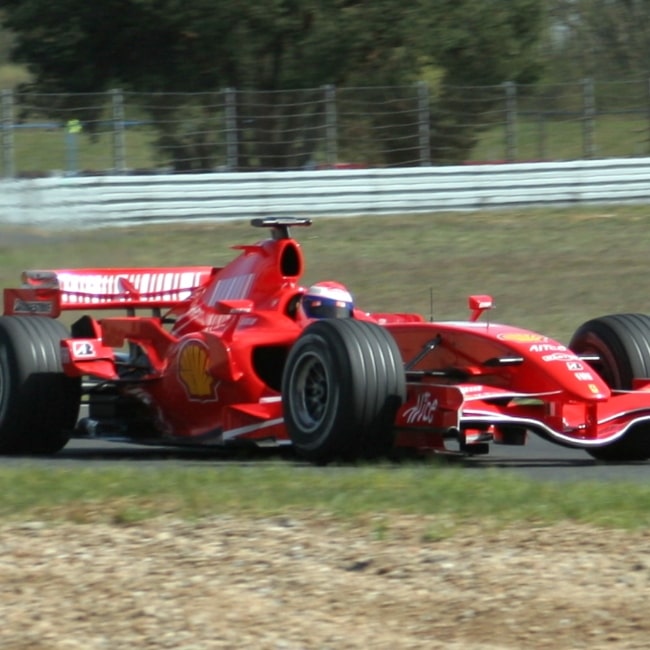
315, 584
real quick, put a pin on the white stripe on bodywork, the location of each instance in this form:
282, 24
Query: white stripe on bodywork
531, 424
240, 431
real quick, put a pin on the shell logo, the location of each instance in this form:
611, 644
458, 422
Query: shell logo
193, 371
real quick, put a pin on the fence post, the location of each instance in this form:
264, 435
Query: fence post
232, 143
511, 121
589, 111
647, 138
541, 135
331, 126
119, 156
424, 121
7, 117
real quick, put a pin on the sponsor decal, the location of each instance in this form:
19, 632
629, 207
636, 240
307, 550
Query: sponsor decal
233, 288
193, 371
547, 347
83, 349
89, 288
584, 376
521, 337
559, 356
423, 411
574, 366
593, 388
468, 390
32, 306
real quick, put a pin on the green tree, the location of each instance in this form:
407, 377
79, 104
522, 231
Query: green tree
476, 46
197, 46
600, 39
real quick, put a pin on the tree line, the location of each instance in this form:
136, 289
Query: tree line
194, 46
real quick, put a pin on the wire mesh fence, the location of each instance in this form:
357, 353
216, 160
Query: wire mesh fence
237, 130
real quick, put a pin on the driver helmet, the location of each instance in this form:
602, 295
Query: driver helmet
327, 300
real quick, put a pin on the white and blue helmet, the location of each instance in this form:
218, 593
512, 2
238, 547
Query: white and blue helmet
327, 300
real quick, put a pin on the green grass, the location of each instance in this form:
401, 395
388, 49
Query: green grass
43, 150
128, 495
548, 270
564, 139
54, 150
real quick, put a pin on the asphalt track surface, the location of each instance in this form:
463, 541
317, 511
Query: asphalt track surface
537, 460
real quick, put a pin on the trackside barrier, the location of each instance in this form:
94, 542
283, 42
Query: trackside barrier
131, 200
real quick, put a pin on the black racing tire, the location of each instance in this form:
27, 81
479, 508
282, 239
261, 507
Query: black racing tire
342, 385
39, 404
622, 344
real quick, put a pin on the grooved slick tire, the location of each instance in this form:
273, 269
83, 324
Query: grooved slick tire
39, 405
342, 385
622, 343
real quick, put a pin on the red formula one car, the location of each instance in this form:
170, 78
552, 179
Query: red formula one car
227, 356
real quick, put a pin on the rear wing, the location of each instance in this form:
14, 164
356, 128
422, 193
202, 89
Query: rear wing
47, 293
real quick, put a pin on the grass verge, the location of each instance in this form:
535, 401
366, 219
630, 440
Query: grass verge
548, 270
129, 495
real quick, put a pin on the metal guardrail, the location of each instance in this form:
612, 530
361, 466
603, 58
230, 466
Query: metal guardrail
129, 200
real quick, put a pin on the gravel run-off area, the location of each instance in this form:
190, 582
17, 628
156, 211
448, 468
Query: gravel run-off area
314, 583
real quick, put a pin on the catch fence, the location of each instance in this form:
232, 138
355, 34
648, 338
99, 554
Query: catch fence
121, 132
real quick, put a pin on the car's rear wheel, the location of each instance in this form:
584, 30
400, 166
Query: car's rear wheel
342, 385
621, 343
39, 404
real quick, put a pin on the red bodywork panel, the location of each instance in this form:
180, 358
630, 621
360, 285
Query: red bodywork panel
205, 364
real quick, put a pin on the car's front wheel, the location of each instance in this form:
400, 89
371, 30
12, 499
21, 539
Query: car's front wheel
342, 385
621, 345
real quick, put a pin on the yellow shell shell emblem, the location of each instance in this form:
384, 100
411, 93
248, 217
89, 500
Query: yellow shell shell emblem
193, 373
